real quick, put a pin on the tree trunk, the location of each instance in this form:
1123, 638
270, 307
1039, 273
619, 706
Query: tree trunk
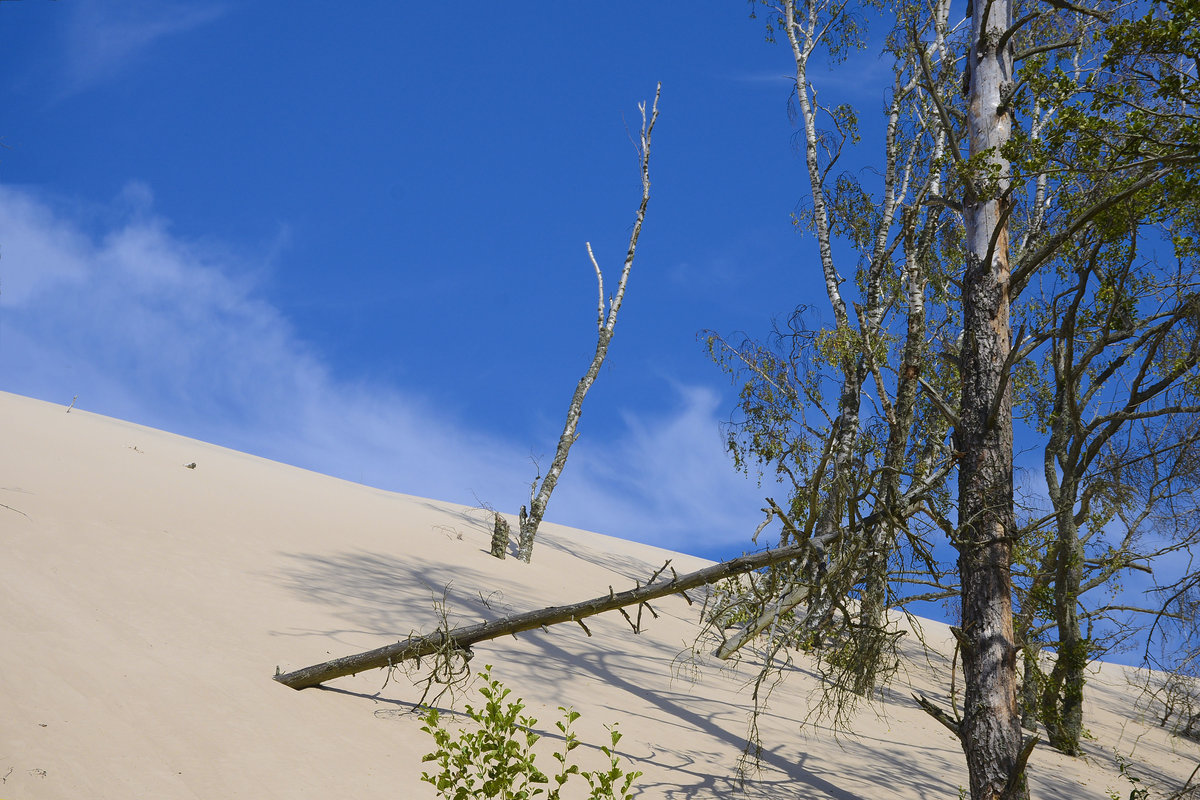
526, 530
500, 534
1062, 700
605, 326
1029, 688
991, 728
463, 638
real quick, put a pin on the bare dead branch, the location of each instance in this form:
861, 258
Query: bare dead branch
604, 334
461, 639
952, 724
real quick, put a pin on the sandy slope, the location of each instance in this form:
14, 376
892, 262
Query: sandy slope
144, 606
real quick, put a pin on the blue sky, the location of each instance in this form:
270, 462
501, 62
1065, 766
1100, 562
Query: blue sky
351, 238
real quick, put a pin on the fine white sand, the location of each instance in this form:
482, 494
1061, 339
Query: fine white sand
145, 605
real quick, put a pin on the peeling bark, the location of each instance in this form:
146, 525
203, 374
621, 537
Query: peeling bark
991, 727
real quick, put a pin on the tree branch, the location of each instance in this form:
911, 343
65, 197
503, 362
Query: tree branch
463, 637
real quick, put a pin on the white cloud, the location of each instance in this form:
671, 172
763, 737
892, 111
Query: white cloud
104, 37
145, 326
667, 480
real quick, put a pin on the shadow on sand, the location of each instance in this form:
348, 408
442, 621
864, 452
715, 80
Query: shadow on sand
390, 597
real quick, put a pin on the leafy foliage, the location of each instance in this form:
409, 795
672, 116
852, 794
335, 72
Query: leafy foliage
495, 758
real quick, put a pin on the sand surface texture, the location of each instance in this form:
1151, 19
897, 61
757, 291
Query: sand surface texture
145, 606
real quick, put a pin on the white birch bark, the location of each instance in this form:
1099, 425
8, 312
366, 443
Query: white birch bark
806, 25
605, 326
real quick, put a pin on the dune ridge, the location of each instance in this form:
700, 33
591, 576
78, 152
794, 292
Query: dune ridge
150, 585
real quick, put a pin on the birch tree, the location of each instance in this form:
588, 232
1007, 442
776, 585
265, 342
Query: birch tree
1002, 154
1032, 159
854, 486
1069, 178
606, 322
990, 729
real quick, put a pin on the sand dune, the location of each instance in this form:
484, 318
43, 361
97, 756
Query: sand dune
145, 605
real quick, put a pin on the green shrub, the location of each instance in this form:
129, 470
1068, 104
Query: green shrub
494, 758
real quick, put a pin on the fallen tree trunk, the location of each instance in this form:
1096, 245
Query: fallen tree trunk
462, 638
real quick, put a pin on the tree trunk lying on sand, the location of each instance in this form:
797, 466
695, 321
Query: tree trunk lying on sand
462, 638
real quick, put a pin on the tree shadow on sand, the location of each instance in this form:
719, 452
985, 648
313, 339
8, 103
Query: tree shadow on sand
389, 597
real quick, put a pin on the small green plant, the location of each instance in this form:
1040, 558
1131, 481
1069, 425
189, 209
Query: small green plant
495, 758
613, 783
1137, 792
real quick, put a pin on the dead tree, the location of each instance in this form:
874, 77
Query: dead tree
500, 535
461, 639
606, 321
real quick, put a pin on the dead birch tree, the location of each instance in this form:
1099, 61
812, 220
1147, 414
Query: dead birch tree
606, 323
457, 642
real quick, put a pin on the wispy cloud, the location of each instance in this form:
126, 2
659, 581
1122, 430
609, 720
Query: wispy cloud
777, 78
860, 75
667, 480
105, 37
149, 327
